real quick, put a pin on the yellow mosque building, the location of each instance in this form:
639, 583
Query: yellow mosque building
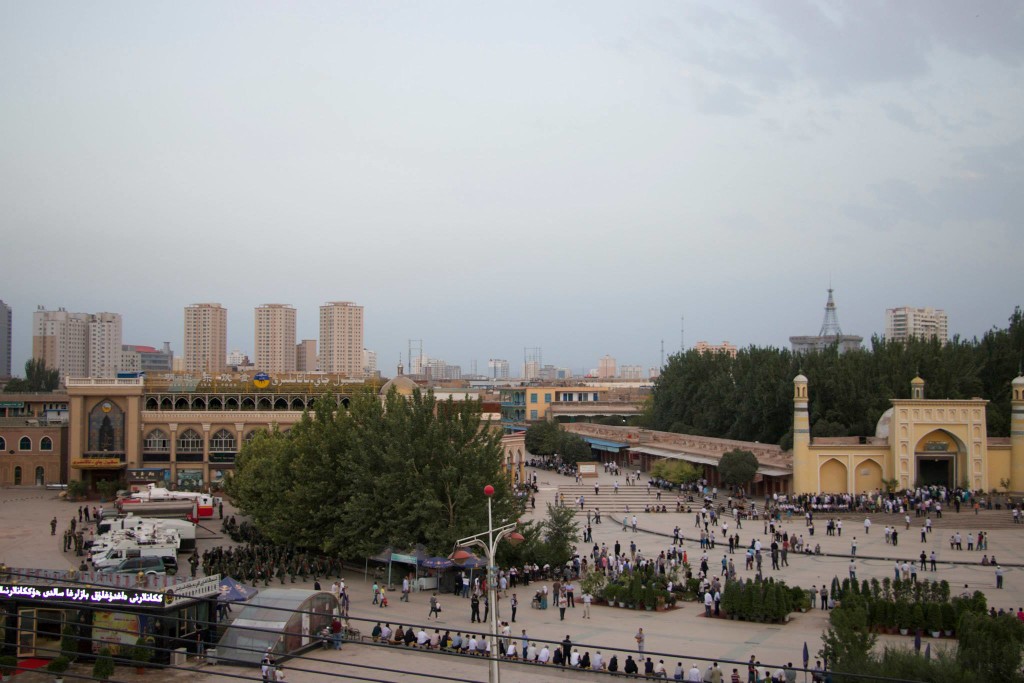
918, 441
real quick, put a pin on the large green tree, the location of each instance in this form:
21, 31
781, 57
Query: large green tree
737, 467
405, 471
542, 438
38, 378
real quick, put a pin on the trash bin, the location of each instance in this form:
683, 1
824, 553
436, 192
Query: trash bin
179, 657
211, 655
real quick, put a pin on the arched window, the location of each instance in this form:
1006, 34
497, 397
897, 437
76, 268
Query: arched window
252, 434
40, 476
17, 476
25, 444
3, 444
189, 441
157, 442
46, 444
223, 442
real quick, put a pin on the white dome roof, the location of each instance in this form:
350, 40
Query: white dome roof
882, 428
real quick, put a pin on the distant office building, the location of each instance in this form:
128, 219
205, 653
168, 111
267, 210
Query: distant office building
275, 338
531, 369
606, 368
920, 323
631, 372
135, 358
236, 359
206, 339
5, 340
725, 347
341, 338
305, 356
77, 344
499, 368
829, 335
369, 363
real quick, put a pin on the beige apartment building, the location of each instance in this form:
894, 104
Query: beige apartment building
341, 338
921, 323
606, 368
703, 347
77, 344
305, 356
206, 338
275, 338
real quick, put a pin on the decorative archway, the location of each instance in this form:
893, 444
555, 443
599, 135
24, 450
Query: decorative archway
832, 477
940, 459
867, 477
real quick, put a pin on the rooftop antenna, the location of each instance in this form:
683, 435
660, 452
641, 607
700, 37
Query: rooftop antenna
682, 333
662, 353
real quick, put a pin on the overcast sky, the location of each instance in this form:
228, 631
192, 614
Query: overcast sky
490, 176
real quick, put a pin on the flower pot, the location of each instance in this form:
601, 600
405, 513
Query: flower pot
622, 604
949, 633
648, 608
936, 634
904, 631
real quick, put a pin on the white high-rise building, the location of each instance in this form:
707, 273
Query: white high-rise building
499, 368
631, 372
206, 338
275, 338
921, 323
77, 344
341, 339
104, 345
369, 362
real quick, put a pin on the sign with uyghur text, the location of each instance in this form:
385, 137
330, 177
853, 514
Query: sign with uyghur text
95, 463
12, 404
407, 559
197, 588
587, 469
88, 596
261, 380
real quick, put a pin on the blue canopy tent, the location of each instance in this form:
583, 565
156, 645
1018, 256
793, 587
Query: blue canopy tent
233, 591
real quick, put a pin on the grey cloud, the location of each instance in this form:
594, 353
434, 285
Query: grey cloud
902, 116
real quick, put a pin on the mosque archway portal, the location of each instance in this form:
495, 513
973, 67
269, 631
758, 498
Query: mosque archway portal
940, 459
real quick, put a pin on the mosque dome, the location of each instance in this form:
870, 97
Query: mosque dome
402, 384
801, 378
882, 428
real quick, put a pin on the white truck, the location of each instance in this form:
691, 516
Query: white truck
186, 529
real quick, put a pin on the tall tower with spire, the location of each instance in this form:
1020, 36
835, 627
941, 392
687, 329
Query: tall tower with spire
830, 325
829, 334
805, 471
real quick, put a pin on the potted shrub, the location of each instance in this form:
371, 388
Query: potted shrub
948, 618
610, 593
917, 618
69, 642
57, 667
77, 490
142, 654
8, 664
903, 617
103, 669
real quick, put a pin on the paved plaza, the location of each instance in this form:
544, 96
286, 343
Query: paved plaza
682, 634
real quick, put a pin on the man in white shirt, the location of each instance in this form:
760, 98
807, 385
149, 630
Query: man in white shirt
694, 675
531, 653
472, 645
421, 638
545, 655
587, 599
659, 669
385, 633
574, 658
597, 662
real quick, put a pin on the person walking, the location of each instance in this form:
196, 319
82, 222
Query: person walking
514, 604
999, 576
587, 599
435, 607
639, 638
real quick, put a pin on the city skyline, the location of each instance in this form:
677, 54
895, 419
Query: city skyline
487, 178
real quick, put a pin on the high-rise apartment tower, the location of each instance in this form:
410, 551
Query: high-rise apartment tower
5, 340
341, 338
206, 338
275, 338
921, 323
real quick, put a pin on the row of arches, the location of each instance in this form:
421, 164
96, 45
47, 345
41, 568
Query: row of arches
230, 403
25, 444
191, 441
40, 476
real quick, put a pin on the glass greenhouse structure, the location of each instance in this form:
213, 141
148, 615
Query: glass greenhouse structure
280, 620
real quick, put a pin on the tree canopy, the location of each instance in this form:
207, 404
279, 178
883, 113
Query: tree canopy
392, 474
547, 438
737, 467
750, 397
676, 471
37, 378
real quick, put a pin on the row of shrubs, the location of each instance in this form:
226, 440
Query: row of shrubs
908, 606
763, 600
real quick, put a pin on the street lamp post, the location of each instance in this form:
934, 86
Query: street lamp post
460, 556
